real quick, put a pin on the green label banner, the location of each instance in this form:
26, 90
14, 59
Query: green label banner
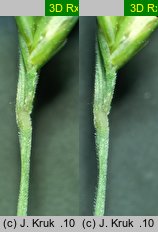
61, 7
141, 7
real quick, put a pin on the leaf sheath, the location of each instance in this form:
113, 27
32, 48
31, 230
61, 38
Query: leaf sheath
104, 88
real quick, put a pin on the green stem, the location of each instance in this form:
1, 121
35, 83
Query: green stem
24, 102
39, 39
102, 143
118, 41
104, 88
25, 147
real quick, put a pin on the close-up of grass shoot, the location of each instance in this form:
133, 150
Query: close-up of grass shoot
40, 38
118, 40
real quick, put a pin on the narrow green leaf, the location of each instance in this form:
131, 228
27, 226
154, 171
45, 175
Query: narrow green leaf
108, 25
49, 37
26, 26
131, 37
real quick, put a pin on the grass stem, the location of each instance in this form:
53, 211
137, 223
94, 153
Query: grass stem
104, 87
24, 103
